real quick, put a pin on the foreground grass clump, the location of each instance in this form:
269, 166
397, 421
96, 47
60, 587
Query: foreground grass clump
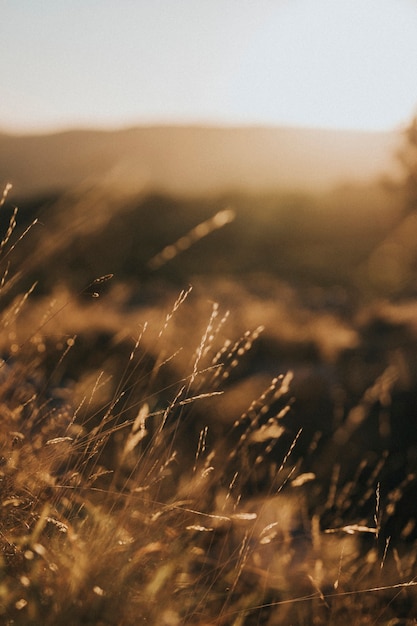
101, 514
122, 504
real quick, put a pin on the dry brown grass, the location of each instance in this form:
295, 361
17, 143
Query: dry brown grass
125, 501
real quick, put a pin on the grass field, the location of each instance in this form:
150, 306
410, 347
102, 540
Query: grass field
208, 411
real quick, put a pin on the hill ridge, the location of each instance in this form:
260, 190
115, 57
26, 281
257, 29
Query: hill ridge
196, 159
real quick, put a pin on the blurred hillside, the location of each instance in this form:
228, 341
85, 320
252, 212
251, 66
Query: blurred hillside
309, 206
196, 160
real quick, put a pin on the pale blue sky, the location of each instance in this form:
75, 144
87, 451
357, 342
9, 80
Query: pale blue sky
108, 63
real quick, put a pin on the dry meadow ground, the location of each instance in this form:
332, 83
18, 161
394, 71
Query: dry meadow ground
211, 447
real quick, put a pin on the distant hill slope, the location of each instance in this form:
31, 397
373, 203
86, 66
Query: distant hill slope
196, 160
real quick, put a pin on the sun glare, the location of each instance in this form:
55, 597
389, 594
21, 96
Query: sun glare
345, 64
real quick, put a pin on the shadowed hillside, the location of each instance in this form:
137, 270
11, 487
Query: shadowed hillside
193, 160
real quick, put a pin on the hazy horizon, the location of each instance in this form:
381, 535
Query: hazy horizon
192, 124
196, 159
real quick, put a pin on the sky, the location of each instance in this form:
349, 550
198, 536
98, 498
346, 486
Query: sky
348, 64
